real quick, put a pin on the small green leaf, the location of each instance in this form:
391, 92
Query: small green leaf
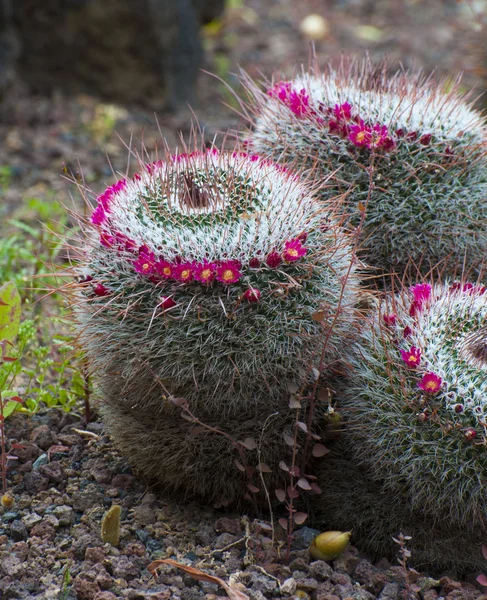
10, 304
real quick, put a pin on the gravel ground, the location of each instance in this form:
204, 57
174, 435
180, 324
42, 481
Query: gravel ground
67, 476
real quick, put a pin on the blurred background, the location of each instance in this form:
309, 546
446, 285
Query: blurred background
79, 79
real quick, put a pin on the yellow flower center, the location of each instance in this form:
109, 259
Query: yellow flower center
227, 275
205, 274
166, 270
292, 252
412, 358
360, 136
185, 274
145, 267
431, 385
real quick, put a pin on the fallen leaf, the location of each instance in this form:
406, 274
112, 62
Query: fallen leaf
319, 450
249, 443
300, 518
232, 593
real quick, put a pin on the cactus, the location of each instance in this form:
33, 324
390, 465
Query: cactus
351, 498
416, 401
408, 151
214, 278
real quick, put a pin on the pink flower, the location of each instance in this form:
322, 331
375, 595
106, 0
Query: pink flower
99, 215
228, 272
145, 264
273, 260
107, 240
430, 383
100, 290
293, 250
183, 272
254, 263
298, 102
390, 319
407, 331
359, 134
467, 288
164, 268
252, 295
166, 302
342, 111
425, 139
411, 357
371, 137
421, 292
204, 272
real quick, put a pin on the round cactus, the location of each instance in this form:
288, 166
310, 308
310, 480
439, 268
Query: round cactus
214, 278
408, 151
352, 499
417, 401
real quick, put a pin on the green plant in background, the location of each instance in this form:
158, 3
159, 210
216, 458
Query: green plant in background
213, 278
415, 406
401, 148
44, 371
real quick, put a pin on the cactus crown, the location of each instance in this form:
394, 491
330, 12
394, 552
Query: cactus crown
418, 401
401, 145
209, 268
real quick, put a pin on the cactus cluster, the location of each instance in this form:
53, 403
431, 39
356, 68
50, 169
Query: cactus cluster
202, 280
416, 405
405, 149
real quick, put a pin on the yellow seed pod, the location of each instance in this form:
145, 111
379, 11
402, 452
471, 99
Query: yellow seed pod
329, 545
7, 501
110, 526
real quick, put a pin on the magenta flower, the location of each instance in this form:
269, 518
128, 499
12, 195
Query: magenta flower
167, 302
100, 290
145, 264
359, 134
254, 263
421, 292
273, 260
293, 250
99, 215
183, 272
425, 139
430, 383
407, 331
164, 268
228, 272
204, 272
390, 319
411, 357
376, 137
342, 111
252, 295
298, 102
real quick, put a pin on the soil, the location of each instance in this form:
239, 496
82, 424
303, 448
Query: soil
67, 474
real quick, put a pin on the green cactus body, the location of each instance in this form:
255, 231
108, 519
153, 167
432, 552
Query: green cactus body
417, 398
200, 281
401, 147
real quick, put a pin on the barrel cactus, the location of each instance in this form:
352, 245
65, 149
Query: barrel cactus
408, 151
416, 402
353, 499
207, 284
